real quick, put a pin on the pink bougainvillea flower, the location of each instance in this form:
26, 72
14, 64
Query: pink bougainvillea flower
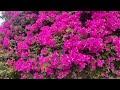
22, 46
118, 73
6, 42
100, 63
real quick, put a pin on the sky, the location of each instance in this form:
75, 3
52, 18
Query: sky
1, 20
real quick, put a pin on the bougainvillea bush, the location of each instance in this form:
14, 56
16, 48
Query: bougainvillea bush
61, 44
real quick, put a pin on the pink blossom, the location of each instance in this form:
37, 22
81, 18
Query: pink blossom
118, 73
100, 63
6, 42
22, 46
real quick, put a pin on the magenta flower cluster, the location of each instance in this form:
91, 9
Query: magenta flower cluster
49, 44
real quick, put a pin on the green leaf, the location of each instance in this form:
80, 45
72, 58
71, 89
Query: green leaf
49, 50
69, 30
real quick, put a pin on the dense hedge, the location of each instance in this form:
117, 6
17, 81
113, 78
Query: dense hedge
60, 44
